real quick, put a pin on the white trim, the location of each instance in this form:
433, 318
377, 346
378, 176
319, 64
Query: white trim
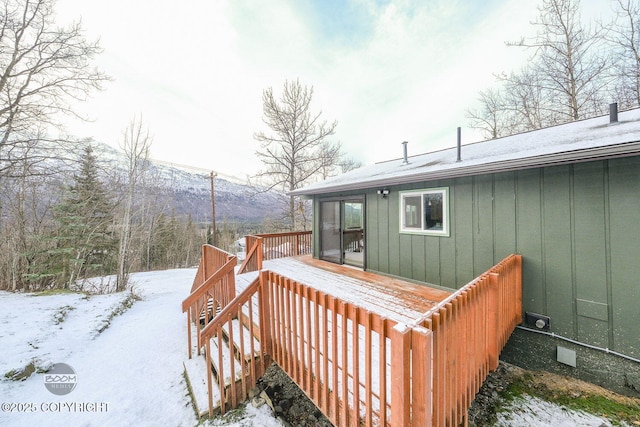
420, 214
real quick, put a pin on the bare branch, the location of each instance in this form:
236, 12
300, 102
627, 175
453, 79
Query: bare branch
297, 149
43, 69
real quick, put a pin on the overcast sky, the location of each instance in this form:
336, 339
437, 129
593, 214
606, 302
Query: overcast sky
387, 71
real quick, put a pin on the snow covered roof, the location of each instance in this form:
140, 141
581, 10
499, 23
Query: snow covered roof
585, 140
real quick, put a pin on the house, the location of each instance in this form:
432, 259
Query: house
566, 198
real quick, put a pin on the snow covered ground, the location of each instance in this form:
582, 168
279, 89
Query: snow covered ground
129, 366
131, 373
531, 411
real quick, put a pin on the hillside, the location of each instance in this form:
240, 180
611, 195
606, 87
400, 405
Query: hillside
189, 192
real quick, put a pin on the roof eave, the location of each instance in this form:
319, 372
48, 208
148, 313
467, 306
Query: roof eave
576, 156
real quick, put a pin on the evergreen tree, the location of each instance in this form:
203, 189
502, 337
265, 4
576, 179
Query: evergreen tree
85, 242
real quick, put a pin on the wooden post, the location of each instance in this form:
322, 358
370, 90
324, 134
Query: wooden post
209, 378
214, 239
205, 263
518, 274
260, 253
400, 375
264, 313
382, 359
189, 331
368, 369
422, 376
231, 293
492, 322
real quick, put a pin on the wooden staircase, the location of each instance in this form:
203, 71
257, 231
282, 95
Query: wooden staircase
232, 354
224, 331
225, 357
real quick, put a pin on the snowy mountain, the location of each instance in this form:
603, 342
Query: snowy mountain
189, 191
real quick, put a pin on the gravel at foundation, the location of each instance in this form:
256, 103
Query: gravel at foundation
289, 404
293, 408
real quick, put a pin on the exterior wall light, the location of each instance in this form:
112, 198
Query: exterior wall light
384, 193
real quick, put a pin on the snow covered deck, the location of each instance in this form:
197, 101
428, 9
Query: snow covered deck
390, 297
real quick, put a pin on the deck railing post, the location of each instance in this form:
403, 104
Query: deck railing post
204, 263
264, 313
189, 332
400, 375
493, 321
209, 378
422, 376
260, 253
518, 284
231, 292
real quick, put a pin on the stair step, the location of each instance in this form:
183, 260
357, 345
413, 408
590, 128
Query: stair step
209, 311
229, 377
195, 370
236, 327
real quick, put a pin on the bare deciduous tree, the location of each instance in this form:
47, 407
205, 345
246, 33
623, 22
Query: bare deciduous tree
490, 116
567, 60
298, 148
566, 78
526, 102
43, 69
136, 144
624, 37
25, 220
347, 164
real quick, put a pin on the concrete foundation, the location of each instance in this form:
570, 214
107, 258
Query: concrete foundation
538, 352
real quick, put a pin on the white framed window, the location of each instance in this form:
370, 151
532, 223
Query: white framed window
425, 211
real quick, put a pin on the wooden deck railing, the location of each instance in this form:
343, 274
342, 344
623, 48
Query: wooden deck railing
341, 355
261, 247
362, 369
212, 290
469, 329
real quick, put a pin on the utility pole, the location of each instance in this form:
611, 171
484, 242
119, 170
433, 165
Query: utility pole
212, 175
213, 210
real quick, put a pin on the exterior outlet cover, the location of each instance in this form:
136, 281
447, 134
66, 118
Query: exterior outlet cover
540, 321
566, 356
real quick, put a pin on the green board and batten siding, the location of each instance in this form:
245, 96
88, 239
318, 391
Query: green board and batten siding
577, 227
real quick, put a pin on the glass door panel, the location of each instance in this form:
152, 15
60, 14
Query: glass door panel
330, 236
353, 233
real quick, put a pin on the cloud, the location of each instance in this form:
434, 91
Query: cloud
387, 71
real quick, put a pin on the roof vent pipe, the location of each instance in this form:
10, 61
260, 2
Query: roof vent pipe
459, 145
613, 112
404, 148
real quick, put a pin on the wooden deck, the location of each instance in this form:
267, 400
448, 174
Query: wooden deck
389, 297
368, 349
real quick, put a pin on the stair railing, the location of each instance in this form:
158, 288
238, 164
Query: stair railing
213, 288
253, 339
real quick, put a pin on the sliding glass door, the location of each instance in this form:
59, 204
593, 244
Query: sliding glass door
342, 231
